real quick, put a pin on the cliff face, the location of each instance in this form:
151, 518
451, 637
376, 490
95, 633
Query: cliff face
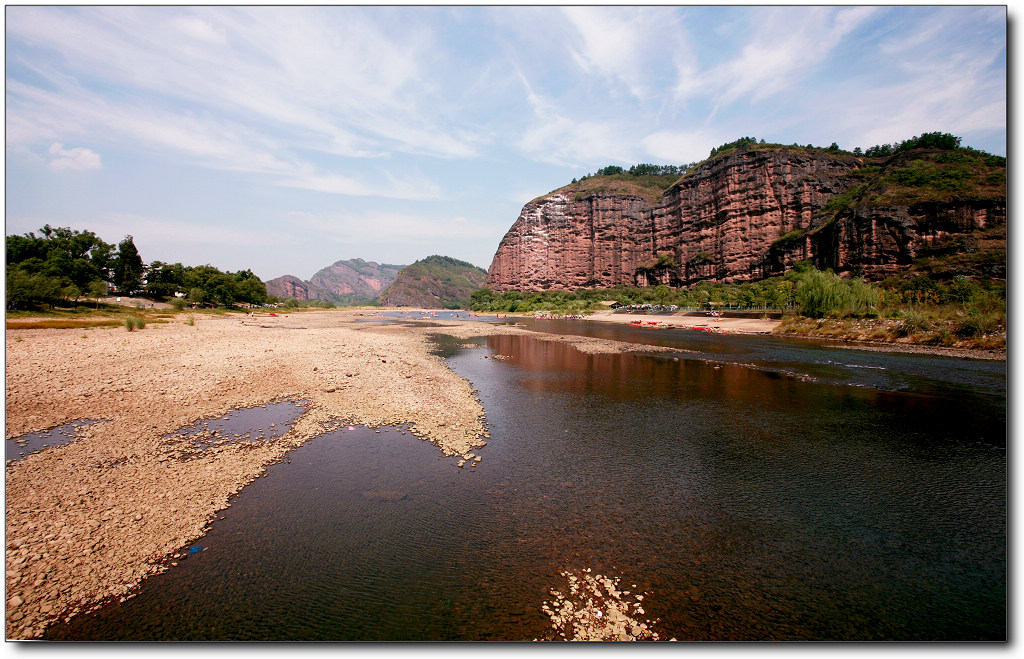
879, 242
563, 242
746, 216
721, 221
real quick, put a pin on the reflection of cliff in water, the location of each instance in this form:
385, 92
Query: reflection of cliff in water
763, 400
615, 375
554, 364
743, 504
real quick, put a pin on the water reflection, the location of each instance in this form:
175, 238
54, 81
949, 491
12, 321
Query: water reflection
759, 506
751, 505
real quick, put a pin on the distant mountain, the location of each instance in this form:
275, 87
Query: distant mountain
291, 286
436, 282
355, 280
352, 281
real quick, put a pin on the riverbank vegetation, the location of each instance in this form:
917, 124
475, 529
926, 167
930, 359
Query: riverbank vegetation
62, 267
961, 311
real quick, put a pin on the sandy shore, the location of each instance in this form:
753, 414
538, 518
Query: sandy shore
716, 323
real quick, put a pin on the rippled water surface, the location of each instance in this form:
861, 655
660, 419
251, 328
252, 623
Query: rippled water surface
756, 489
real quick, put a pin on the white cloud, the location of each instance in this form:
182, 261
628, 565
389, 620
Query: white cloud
77, 159
419, 189
197, 28
151, 231
786, 45
333, 80
613, 44
947, 81
555, 135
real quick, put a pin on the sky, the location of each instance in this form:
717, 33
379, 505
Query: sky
284, 139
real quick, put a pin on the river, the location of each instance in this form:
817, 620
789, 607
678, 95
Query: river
753, 488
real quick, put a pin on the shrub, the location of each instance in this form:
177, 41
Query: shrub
913, 321
823, 294
787, 241
976, 323
133, 322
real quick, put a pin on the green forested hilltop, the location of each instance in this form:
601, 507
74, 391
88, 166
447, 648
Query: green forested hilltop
922, 167
434, 282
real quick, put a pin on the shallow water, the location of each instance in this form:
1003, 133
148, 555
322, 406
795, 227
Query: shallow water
252, 424
18, 448
757, 490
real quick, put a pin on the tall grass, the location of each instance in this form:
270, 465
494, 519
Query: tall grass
133, 322
823, 294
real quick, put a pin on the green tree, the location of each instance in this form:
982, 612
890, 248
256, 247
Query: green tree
127, 267
97, 289
826, 294
250, 289
71, 293
163, 280
25, 289
53, 262
221, 289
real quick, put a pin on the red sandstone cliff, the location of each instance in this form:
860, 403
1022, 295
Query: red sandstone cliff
742, 217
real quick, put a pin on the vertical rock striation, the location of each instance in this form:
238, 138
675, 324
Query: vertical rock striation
740, 217
562, 242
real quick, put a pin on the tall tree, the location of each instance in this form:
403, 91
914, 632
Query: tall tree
128, 268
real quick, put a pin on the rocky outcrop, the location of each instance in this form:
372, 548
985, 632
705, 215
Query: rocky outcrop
563, 242
875, 243
746, 216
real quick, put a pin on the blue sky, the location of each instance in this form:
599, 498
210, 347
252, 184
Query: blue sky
284, 139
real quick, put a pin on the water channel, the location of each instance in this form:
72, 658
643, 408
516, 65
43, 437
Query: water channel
755, 488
